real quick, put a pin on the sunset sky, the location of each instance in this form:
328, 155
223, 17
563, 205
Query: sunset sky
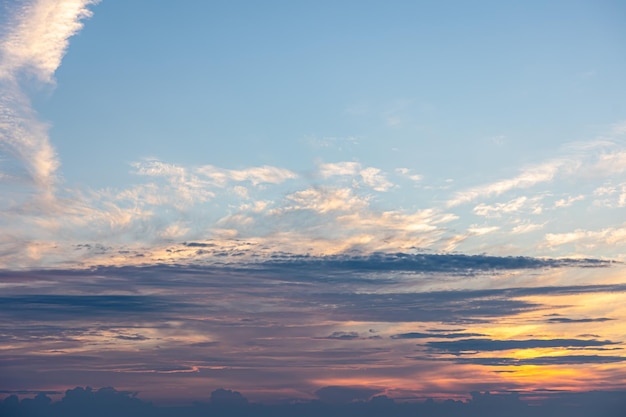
415, 199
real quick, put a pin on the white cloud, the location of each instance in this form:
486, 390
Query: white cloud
256, 175
406, 172
610, 163
323, 200
176, 230
566, 202
35, 39
475, 230
374, 178
241, 191
24, 138
182, 188
38, 35
497, 209
613, 195
527, 228
527, 178
607, 236
370, 177
339, 169
156, 168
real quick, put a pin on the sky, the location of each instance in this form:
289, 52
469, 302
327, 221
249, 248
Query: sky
412, 199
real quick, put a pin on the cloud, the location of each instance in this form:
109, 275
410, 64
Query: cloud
256, 175
323, 200
497, 209
490, 345
370, 177
426, 262
38, 36
343, 336
73, 307
334, 401
610, 163
437, 335
287, 322
543, 360
565, 320
338, 169
226, 397
406, 172
344, 395
527, 228
373, 178
34, 41
608, 236
527, 178
567, 202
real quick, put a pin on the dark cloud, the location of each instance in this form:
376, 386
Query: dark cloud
343, 336
186, 291
417, 335
585, 320
271, 322
132, 337
429, 262
342, 395
199, 245
491, 345
542, 360
335, 401
77, 305
441, 306
223, 396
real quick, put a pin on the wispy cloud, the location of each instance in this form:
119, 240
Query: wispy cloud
527, 178
256, 175
38, 35
34, 41
408, 173
608, 236
370, 177
291, 321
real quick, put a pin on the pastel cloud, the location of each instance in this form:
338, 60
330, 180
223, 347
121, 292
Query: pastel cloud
293, 321
527, 178
39, 36
256, 175
608, 236
323, 200
34, 42
371, 177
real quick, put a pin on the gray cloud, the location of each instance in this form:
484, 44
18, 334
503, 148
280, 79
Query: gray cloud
584, 320
343, 395
270, 322
418, 335
490, 345
343, 336
430, 262
542, 360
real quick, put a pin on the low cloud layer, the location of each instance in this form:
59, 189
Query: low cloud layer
292, 326
333, 401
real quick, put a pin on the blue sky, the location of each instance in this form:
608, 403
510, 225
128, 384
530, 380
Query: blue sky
139, 135
402, 108
471, 121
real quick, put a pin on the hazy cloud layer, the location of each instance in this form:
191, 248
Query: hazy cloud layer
338, 279
333, 401
295, 325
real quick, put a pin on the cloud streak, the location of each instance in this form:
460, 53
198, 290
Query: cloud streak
34, 42
291, 321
